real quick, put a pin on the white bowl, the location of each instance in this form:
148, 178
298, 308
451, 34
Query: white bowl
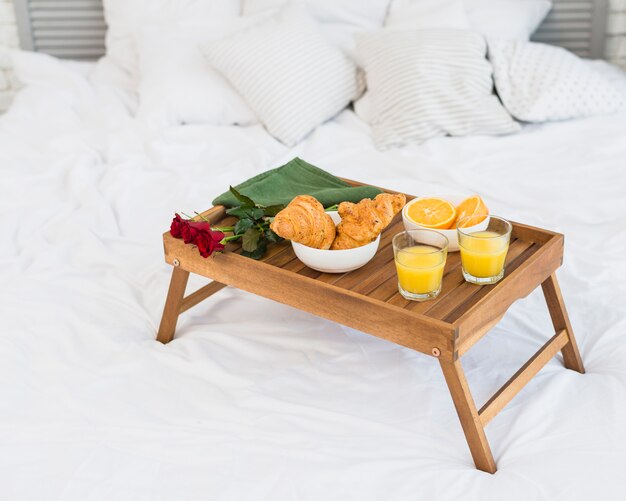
336, 261
451, 234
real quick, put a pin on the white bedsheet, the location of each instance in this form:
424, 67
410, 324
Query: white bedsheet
258, 401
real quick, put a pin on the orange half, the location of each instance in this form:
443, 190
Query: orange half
433, 213
473, 208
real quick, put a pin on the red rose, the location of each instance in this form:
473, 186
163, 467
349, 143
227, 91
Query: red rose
198, 233
188, 232
209, 241
218, 236
176, 226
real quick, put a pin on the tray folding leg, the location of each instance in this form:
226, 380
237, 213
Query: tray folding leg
176, 302
560, 320
470, 419
473, 421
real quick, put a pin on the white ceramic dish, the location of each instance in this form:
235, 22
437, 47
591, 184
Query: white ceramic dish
336, 261
451, 234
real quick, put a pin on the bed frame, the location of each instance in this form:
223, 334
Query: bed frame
75, 29
577, 25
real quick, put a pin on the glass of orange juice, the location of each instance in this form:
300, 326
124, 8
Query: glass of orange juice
483, 252
420, 257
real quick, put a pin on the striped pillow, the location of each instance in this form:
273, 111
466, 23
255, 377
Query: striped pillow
429, 83
287, 71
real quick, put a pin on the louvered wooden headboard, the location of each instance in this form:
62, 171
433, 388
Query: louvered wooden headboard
75, 28
72, 29
577, 25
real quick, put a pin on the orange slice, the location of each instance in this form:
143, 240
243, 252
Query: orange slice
473, 208
434, 213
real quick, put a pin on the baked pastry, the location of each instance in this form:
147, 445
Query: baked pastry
305, 221
361, 223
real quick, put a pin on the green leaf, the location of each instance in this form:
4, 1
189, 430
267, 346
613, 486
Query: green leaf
271, 237
272, 210
243, 212
250, 239
247, 201
257, 213
240, 212
236, 211
258, 253
243, 225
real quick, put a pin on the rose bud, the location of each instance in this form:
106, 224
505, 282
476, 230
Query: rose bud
176, 226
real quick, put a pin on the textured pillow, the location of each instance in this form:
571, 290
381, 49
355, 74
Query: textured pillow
177, 84
507, 19
426, 14
539, 82
287, 72
429, 83
125, 18
340, 19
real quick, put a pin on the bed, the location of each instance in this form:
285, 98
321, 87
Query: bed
255, 400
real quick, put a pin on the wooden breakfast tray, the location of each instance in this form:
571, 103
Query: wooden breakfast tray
367, 299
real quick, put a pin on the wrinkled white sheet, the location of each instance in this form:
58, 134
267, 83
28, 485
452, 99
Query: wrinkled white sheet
258, 401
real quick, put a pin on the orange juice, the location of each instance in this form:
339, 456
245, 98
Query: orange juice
420, 268
483, 253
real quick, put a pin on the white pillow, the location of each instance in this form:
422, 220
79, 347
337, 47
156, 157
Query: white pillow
615, 75
507, 19
417, 15
429, 83
288, 72
539, 82
340, 19
426, 14
125, 18
363, 108
177, 84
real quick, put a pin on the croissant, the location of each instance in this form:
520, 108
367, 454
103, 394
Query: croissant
361, 223
304, 221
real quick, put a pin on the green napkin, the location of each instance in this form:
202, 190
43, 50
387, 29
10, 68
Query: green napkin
297, 177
